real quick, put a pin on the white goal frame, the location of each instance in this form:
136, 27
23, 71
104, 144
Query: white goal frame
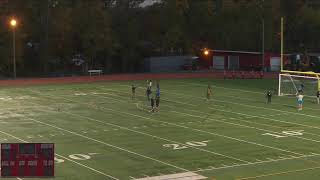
315, 77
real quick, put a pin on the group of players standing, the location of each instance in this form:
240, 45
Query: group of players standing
153, 99
299, 97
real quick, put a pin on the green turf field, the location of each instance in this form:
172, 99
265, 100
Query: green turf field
100, 133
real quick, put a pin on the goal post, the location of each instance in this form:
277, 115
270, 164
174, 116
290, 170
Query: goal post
292, 83
318, 77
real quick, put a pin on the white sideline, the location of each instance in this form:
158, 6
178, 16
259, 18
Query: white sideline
181, 126
92, 169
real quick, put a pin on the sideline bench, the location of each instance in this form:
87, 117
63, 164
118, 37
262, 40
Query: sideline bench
95, 72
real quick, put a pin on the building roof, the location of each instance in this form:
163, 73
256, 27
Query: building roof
238, 52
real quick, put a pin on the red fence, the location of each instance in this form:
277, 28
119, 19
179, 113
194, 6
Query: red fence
118, 77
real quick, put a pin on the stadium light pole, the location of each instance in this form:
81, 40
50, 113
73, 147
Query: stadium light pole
281, 43
13, 23
206, 52
263, 33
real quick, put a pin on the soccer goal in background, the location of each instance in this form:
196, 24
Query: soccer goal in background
292, 82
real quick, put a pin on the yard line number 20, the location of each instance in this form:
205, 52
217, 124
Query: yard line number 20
187, 145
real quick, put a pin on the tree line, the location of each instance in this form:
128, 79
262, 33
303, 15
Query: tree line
54, 36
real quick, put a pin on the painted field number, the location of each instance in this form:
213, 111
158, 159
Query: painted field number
285, 134
78, 157
186, 145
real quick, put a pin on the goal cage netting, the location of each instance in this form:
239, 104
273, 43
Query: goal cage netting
292, 84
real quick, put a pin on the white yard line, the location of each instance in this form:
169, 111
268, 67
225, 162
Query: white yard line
262, 117
255, 116
256, 123
245, 105
257, 163
22, 107
252, 163
239, 90
279, 149
156, 137
92, 169
107, 144
164, 99
308, 139
177, 125
265, 129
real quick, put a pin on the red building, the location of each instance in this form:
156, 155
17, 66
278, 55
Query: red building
240, 60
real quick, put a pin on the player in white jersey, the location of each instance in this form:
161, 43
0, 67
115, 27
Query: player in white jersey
300, 101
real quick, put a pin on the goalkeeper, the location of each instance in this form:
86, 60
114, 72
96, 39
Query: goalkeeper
301, 88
